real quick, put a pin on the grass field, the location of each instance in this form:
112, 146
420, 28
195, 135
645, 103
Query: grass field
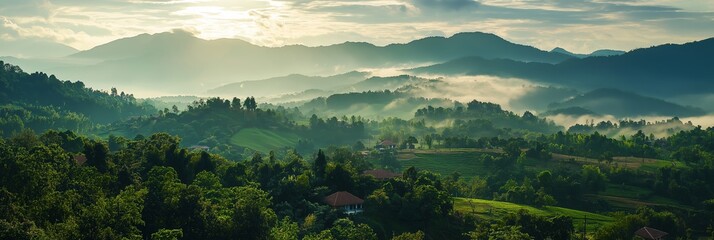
626, 191
646, 164
494, 209
263, 140
467, 163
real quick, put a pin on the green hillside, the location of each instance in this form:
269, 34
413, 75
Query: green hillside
263, 140
494, 209
467, 163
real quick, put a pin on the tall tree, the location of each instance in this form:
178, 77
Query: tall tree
320, 164
235, 104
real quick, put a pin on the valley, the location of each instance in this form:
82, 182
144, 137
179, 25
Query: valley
356, 120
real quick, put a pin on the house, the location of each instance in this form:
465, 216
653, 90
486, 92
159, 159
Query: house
380, 174
386, 144
650, 233
80, 159
349, 203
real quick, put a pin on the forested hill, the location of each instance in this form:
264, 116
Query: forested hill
39, 102
485, 119
229, 127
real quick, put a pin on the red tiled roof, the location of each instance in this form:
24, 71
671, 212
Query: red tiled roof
650, 233
80, 159
340, 199
387, 143
381, 174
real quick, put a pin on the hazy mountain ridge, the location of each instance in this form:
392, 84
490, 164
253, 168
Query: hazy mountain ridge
34, 49
662, 71
596, 53
572, 111
385, 83
288, 84
147, 62
621, 104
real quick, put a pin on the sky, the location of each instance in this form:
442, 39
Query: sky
581, 26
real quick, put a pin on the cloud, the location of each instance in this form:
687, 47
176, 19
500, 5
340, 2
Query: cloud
446, 4
12, 31
577, 25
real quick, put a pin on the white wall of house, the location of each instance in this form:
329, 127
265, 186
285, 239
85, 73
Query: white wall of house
352, 209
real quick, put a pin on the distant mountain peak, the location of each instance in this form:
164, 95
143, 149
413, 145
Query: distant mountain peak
560, 50
606, 53
475, 34
596, 53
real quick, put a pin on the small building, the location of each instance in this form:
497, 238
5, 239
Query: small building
386, 144
80, 159
349, 203
650, 233
381, 174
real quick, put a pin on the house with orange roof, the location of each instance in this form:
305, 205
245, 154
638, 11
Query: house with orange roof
349, 203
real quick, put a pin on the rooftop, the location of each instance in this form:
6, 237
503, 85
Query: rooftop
340, 199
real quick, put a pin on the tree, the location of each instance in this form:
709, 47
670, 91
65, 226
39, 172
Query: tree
167, 234
512, 151
388, 160
205, 163
252, 217
410, 174
338, 178
117, 143
250, 104
320, 164
500, 232
418, 235
285, 230
346, 229
428, 140
162, 183
97, 155
593, 179
235, 104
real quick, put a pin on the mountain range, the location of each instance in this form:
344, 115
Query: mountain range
177, 62
662, 71
288, 84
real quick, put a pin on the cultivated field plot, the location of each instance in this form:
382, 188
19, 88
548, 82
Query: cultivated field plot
495, 210
263, 140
